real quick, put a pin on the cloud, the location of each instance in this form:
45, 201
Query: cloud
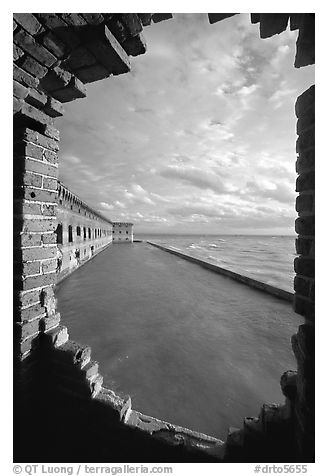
281, 192
203, 179
138, 194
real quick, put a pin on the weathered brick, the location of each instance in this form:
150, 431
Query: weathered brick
305, 246
132, 23
27, 239
39, 195
25, 78
30, 112
305, 101
55, 79
73, 19
306, 140
39, 281
49, 266
19, 90
74, 90
54, 45
50, 322
305, 202
17, 52
145, 18
27, 329
158, 17
49, 209
305, 181
50, 184
304, 266
29, 313
92, 73
49, 238
39, 52
33, 180
305, 161
31, 268
33, 67
50, 156
37, 166
17, 105
302, 285
28, 149
52, 132
54, 108
93, 18
27, 298
39, 225
28, 22
55, 337
110, 53
36, 98
53, 22
305, 122
73, 353
35, 137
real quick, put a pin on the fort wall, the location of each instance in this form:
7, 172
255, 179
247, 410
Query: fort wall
81, 232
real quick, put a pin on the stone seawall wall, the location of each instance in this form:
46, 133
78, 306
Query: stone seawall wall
253, 283
81, 232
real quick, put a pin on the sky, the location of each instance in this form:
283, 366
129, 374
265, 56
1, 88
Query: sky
199, 137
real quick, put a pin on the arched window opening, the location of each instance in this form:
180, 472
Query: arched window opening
59, 234
70, 234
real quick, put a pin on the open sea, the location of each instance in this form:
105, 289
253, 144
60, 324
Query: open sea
266, 258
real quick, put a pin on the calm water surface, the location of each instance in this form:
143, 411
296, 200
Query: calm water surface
189, 346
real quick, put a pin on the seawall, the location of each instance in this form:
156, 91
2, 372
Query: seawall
267, 288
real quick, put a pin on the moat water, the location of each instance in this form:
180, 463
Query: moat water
191, 347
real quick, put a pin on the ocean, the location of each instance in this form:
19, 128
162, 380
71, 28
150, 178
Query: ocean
266, 258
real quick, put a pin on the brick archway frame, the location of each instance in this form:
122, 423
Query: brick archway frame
62, 412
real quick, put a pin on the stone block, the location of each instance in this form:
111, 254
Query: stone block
53, 22
28, 22
306, 121
27, 43
49, 209
305, 49
33, 180
73, 19
56, 78
56, 337
28, 149
24, 330
17, 105
24, 78
288, 383
30, 268
50, 322
73, 353
48, 266
80, 58
296, 20
28, 239
255, 17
